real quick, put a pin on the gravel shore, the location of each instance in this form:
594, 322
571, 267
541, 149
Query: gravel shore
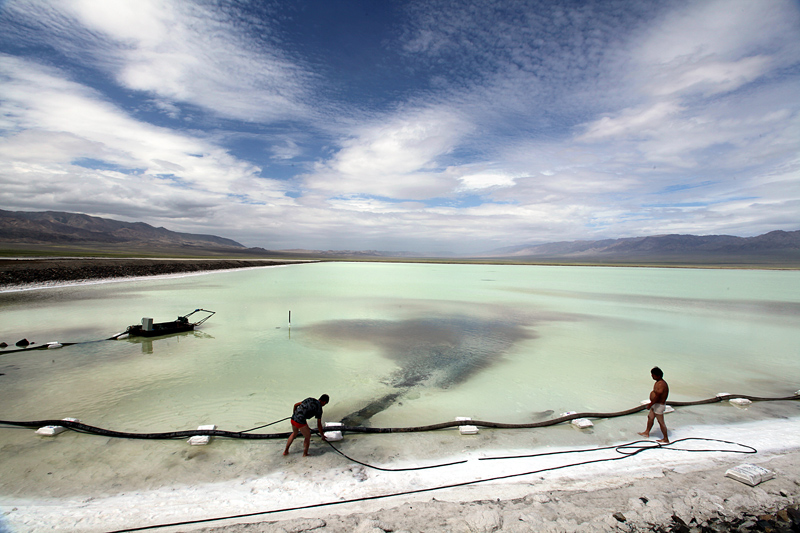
24, 272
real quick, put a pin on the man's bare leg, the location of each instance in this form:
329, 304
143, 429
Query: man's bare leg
650, 416
307, 434
663, 427
290, 441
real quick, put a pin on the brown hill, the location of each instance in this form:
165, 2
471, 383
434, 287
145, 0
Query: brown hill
52, 227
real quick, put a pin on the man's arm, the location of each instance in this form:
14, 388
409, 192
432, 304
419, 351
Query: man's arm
660, 388
319, 428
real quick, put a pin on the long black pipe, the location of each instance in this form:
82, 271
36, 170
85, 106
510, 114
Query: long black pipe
85, 428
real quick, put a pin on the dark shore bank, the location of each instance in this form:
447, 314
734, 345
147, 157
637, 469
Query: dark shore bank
21, 272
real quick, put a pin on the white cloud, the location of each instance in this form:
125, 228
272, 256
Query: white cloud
717, 46
631, 122
395, 158
180, 51
726, 29
53, 122
287, 149
486, 180
533, 122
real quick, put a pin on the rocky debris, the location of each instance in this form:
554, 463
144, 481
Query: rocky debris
523, 515
786, 520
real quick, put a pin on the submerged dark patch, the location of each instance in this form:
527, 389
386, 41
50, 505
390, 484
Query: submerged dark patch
437, 352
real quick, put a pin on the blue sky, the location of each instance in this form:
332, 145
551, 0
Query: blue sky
436, 126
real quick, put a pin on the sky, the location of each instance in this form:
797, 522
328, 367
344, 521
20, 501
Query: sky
438, 126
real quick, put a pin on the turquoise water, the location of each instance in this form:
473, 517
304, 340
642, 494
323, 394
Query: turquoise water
414, 343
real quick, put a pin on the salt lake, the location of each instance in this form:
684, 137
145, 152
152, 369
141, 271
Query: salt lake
393, 345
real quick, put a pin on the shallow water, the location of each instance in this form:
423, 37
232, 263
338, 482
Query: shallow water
393, 345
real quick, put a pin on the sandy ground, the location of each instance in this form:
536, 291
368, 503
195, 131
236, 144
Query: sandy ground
656, 489
674, 495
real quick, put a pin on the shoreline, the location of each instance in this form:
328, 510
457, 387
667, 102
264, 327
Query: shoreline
656, 490
24, 273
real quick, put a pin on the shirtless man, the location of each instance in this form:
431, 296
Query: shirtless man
658, 402
308, 408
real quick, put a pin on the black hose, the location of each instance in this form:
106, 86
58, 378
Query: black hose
265, 425
340, 452
79, 426
41, 347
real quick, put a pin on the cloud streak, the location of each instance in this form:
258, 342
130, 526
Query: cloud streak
496, 124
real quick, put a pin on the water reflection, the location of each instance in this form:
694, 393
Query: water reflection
147, 342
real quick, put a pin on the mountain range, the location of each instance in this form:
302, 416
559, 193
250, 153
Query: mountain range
54, 227
783, 242
73, 230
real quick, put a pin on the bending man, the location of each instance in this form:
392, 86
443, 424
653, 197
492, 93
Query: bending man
308, 408
657, 405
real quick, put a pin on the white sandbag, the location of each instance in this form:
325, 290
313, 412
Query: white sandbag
582, 423
740, 402
52, 431
466, 430
750, 474
336, 434
202, 440
333, 436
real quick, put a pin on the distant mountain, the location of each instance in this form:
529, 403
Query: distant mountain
781, 243
53, 227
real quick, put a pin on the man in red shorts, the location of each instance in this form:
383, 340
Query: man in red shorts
308, 408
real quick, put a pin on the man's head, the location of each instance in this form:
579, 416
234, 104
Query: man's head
324, 399
656, 373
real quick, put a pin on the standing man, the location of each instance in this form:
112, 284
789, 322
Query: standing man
658, 402
308, 408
